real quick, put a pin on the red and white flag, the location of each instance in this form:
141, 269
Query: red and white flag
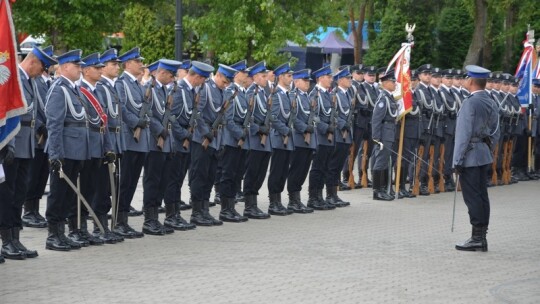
12, 101
403, 93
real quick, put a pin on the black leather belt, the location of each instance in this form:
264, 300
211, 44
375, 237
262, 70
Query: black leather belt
29, 123
114, 129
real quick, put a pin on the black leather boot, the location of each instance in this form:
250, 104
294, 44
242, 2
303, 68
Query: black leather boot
449, 185
65, 239
54, 241
424, 191
134, 212
151, 225
161, 209
226, 214
208, 216
107, 237
16, 241
477, 242
2, 259
344, 184
184, 206
9, 249
378, 191
31, 217
197, 215
314, 201
251, 210
123, 229
171, 217
75, 233
89, 237
296, 205
180, 220
240, 197
217, 195
275, 207
403, 193
337, 201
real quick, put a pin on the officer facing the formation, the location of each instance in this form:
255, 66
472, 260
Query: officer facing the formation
68, 147
383, 131
478, 127
39, 165
184, 110
16, 159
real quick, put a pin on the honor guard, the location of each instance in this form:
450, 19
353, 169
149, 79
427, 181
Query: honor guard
450, 113
100, 152
206, 143
325, 132
260, 151
235, 144
38, 173
477, 123
435, 157
183, 70
113, 108
68, 147
304, 139
16, 159
283, 114
136, 111
357, 79
521, 132
383, 132
535, 108
161, 145
343, 135
184, 109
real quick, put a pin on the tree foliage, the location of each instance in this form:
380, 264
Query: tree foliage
454, 26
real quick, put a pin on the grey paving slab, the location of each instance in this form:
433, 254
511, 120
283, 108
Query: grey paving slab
371, 252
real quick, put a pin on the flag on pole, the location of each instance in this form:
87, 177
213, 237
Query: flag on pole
526, 71
403, 93
12, 101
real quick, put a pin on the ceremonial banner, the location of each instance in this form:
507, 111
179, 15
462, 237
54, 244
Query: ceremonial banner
12, 101
403, 92
526, 72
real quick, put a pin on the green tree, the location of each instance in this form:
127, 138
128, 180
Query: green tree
454, 29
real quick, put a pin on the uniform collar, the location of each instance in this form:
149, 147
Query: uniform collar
110, 81
130, 76
24, 73
321, 88
283, 88
71, 83
92, 88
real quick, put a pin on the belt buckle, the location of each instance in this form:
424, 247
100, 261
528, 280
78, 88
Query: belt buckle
102, 129
117, 130
32, 123
169, 126
87, 124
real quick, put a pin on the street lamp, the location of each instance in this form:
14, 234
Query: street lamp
178, 32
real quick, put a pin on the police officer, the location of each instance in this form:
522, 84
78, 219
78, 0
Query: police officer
259, 154
383, 132
451, 108
234, 144
136, 112
206, 143
535, 108
38, 173
281, 135
16, 157
325, 133
520, 132
305, 141
68, 147
113, 108
477, 123
177, 164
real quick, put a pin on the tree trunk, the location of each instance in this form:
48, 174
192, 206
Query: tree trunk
509, 21
474, 55
357, 32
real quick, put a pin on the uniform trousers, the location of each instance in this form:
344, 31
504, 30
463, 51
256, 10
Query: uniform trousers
380, 159
232, 164
176, 166
319, 167
338, 158
154, 167
94, 179
299, 169
448, 154
101, 203
435, 142
38, 175
62, 198
202, 171
256, 171
13, 192
279, 169
520, 155
408, 161
131, 166
359, 136
242, 168
475, 195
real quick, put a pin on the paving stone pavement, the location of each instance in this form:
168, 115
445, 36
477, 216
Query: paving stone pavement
371, 252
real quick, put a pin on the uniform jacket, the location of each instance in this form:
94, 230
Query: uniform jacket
344, 110
66, 122
450, 110
439, 111
131, 96
182, 109
324, 112
41, 120
98, 136
24, 142
209, 106
281, 109
476, 123
233, 128
112, 106
383, 123
519, 121
260, 104
367, 96
159, 100
303, 104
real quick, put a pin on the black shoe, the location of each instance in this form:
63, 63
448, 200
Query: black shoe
107, 237
134, 212
208, 216
382, 196
240, 197
54, 242
217, 199
252, 211
94, 241
198, 219
358, 185
161, 209
317, 202
424, 190
123, 229
333, 199
31, 217
173, 219
296, 205
184, 206
449, 187
477, 242
75, 234
276, 207
344, 186
151, 225
9, 248
65, 239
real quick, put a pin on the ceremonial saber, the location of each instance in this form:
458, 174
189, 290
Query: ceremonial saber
78, 204
454, 208
114, 201
81, 197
